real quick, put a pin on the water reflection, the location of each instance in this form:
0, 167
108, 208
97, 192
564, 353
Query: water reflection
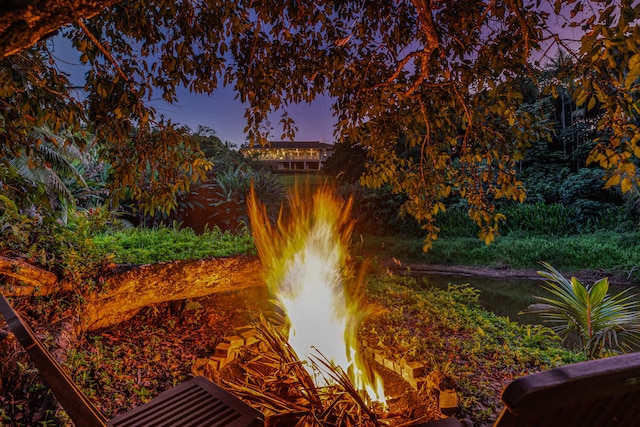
503, 296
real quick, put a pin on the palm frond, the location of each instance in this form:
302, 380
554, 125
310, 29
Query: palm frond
605, 323
53, 182
21, 166
46, 162
60, 159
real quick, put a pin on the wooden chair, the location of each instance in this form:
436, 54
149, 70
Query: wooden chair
596, 393
196, 402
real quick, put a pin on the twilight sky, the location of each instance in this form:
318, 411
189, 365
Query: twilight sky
225, 115
218, 111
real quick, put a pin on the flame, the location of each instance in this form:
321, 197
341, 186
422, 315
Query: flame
305, 257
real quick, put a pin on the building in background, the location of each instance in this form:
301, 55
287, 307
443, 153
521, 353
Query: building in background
297, 155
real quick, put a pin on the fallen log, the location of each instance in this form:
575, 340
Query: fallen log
126, 293
127, 290
27, 279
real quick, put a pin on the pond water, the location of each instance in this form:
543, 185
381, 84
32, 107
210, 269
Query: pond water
503, 296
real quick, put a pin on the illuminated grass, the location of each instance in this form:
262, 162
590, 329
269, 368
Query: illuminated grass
144, 246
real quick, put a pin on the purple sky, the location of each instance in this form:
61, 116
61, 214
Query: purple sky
218, 111
225, 115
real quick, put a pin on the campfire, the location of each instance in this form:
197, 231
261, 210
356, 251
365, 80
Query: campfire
306, 366
308, 274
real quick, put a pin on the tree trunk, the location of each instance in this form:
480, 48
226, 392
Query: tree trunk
23, 23
27, 279
128, 290
151, 284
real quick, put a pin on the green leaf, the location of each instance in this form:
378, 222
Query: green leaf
599, 291
634, 71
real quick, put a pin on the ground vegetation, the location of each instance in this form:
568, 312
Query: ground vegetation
445, 106
433, 91
470, 349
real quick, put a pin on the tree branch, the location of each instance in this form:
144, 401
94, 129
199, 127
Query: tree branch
102, 48
428, 29
399, 69
427, 24
24, 23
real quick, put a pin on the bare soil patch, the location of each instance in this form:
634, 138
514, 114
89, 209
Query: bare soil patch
500, 272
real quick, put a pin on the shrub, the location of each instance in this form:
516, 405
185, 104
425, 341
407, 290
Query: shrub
604, 323
43, 241
539, 219
379, 210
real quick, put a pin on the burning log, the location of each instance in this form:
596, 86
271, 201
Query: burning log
281, 387
266, 373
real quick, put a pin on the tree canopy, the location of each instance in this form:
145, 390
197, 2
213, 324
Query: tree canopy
431, 89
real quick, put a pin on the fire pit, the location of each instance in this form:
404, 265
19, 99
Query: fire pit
303, 364
266, 374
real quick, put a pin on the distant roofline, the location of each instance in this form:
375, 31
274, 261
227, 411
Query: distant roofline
292, 145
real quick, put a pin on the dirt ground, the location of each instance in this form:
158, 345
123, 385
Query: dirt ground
499, 272
124, 366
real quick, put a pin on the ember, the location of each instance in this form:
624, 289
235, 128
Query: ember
305, 256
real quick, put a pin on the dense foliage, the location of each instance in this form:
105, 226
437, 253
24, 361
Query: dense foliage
448, 332
433, 91
66, 249
566, 193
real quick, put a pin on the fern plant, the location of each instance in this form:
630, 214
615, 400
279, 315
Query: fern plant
43, 166
605, 323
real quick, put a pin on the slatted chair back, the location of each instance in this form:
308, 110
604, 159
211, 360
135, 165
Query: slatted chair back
196, 402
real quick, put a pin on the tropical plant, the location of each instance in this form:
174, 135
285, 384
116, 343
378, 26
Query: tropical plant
94, 192
443, 79
604, 323
221, 200
40, 168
